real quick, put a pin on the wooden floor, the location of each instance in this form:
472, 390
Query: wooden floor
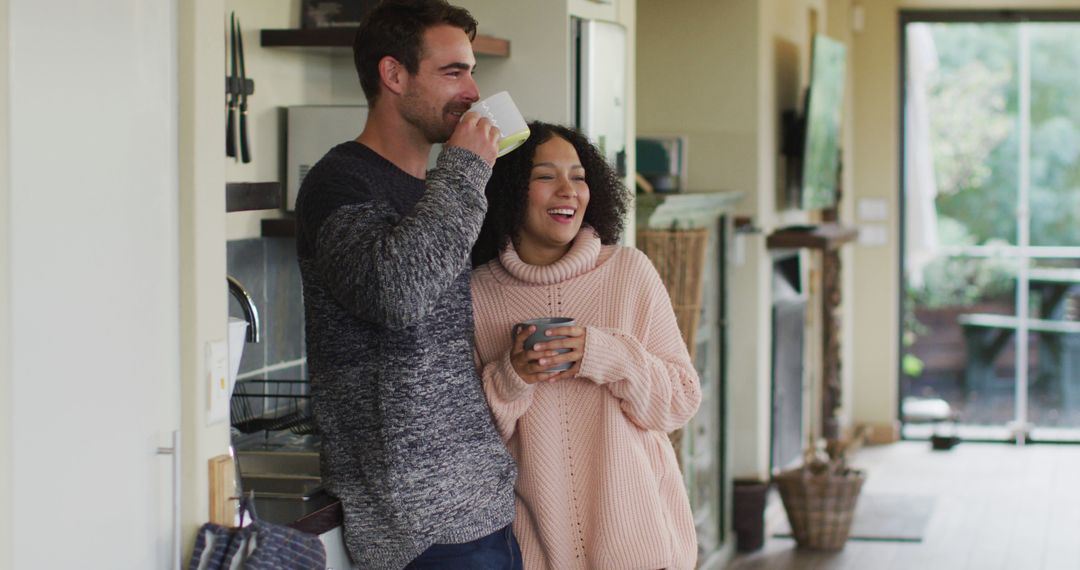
998, 507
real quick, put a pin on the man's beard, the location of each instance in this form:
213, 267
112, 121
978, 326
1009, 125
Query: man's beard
435, 129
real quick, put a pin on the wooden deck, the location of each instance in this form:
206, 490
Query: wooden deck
998, 507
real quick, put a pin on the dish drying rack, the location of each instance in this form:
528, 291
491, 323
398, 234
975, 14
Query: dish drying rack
271, 405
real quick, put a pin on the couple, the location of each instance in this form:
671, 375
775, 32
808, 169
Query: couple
439, 429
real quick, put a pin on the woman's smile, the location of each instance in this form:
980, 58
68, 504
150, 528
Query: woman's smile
558, 196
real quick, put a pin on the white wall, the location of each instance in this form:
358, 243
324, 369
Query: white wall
6, 405
94, 299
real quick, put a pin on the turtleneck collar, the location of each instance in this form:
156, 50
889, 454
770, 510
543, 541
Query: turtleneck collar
582, 257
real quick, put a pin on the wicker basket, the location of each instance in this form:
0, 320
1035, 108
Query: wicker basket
820, 506
679, 258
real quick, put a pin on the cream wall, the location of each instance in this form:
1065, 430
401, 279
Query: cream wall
6, 404
876, 175
203, 292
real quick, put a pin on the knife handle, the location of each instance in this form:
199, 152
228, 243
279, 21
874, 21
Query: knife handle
245, 155
230, 134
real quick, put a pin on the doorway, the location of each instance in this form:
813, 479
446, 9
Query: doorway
991, 222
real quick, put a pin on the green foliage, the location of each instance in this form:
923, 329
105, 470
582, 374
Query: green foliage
975, 134
911, 366
963, 281
974, 105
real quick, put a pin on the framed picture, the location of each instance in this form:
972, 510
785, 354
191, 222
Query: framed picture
661, 160
334, 13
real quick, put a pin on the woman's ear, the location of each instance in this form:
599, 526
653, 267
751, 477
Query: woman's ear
393, 75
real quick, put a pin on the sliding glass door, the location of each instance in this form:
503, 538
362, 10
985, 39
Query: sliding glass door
991, 207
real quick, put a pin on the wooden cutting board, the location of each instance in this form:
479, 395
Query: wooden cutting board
222, 490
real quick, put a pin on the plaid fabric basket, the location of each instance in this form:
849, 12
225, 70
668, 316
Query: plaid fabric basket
258, 546
820, 506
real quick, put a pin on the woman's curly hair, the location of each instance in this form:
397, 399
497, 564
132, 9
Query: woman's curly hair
508, 192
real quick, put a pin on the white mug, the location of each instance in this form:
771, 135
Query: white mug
501, 111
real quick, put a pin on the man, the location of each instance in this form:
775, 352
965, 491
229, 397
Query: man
408, 444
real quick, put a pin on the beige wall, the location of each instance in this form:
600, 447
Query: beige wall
203, 293
6, 404
876, 175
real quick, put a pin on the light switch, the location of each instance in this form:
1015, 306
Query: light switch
217, 372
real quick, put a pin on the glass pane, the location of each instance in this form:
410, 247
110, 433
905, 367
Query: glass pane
962, 164
1055, 134
1054, 377
959, 341
968, 73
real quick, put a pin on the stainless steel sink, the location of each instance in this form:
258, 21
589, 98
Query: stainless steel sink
286, 484
295, 463
284, 498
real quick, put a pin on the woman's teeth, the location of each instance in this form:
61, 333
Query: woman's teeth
567, 212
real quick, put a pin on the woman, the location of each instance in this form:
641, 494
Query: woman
598, 484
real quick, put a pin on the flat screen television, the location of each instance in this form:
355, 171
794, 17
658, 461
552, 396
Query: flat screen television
824, 106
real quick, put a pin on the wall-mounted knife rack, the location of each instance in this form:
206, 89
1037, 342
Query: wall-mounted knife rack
233, 86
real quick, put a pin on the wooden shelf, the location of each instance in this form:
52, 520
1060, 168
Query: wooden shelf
343, 38
246, 196
823, 236
279, 227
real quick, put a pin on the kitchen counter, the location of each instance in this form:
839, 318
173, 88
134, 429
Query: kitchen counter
321, 521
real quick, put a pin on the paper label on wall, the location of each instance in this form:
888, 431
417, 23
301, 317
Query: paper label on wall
873, 209
873, 234
217, 372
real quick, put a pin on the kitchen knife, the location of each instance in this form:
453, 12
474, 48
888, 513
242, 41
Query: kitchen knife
245, 154
231, 92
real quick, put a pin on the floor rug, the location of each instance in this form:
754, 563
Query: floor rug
884, 517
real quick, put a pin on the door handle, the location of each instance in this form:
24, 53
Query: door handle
174, 451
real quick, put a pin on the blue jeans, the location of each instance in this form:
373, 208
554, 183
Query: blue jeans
496, 551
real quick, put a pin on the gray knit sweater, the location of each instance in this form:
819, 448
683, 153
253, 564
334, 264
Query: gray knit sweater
408, 443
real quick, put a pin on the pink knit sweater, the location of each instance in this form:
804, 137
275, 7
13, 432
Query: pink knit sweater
598, 484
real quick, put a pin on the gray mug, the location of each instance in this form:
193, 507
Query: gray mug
543, 325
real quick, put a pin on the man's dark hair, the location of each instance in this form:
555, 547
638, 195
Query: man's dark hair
396, 28
508, 192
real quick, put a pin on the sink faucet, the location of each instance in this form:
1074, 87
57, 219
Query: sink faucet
247, 304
